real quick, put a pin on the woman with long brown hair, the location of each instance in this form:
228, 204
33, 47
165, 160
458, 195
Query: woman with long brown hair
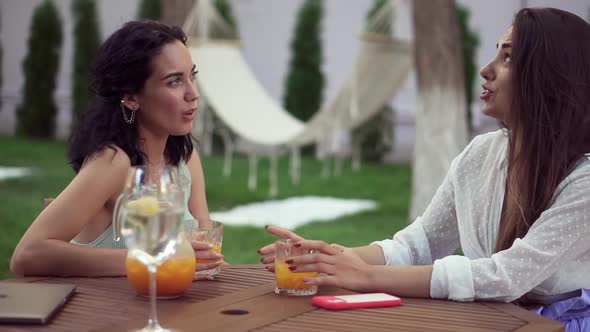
517, 201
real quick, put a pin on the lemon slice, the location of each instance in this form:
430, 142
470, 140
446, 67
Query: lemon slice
146, 206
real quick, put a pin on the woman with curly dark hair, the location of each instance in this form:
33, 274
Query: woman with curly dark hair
146, 99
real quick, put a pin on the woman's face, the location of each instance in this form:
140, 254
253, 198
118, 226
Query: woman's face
170, 97
497, 88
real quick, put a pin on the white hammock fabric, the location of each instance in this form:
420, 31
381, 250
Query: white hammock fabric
238, 98
244, 106
241, 102
381, 66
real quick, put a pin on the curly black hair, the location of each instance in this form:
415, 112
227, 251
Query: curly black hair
121, 67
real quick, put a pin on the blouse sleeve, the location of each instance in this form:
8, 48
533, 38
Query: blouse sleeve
434, 234
560, 233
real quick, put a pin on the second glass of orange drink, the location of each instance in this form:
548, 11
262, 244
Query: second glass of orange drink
212, 233
289, 282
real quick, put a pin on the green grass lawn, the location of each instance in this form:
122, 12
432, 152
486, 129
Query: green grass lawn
388, 185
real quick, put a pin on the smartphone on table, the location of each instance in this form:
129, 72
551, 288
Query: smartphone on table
341, 302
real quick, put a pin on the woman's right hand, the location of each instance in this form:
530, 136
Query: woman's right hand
203, 252
268, 251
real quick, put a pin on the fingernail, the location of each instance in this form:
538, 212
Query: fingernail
289, 261
210, 246
267, 267
292, 268
297, 245
258, 251
267, 226
262, 260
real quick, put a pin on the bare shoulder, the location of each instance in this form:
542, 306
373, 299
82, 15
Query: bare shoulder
111, 160
194, 162
194, 158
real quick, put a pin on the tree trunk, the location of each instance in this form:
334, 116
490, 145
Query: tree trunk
174, 12
441, 129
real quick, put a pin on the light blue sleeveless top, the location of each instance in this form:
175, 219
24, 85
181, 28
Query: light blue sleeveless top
107, 240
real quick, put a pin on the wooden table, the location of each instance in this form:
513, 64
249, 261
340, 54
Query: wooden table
242, 298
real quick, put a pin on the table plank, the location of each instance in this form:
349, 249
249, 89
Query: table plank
170, 318
536, 322
397, 319
266, 311
100, 303
421, 315
109, 304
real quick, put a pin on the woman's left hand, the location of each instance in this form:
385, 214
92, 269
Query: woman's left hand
340, 266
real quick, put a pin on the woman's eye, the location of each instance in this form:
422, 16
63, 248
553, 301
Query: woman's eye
175, 82
194, 75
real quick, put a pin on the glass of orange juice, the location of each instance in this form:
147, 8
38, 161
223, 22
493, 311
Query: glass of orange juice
211, 232
289, 282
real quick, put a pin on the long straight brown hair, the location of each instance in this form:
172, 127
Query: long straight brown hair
549, 120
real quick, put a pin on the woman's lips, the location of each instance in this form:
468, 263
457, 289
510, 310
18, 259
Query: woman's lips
486, 94
189, 115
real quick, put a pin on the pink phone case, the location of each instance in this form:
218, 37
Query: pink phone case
340, 302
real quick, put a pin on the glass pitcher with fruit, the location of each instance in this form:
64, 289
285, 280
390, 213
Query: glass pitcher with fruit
148, 216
